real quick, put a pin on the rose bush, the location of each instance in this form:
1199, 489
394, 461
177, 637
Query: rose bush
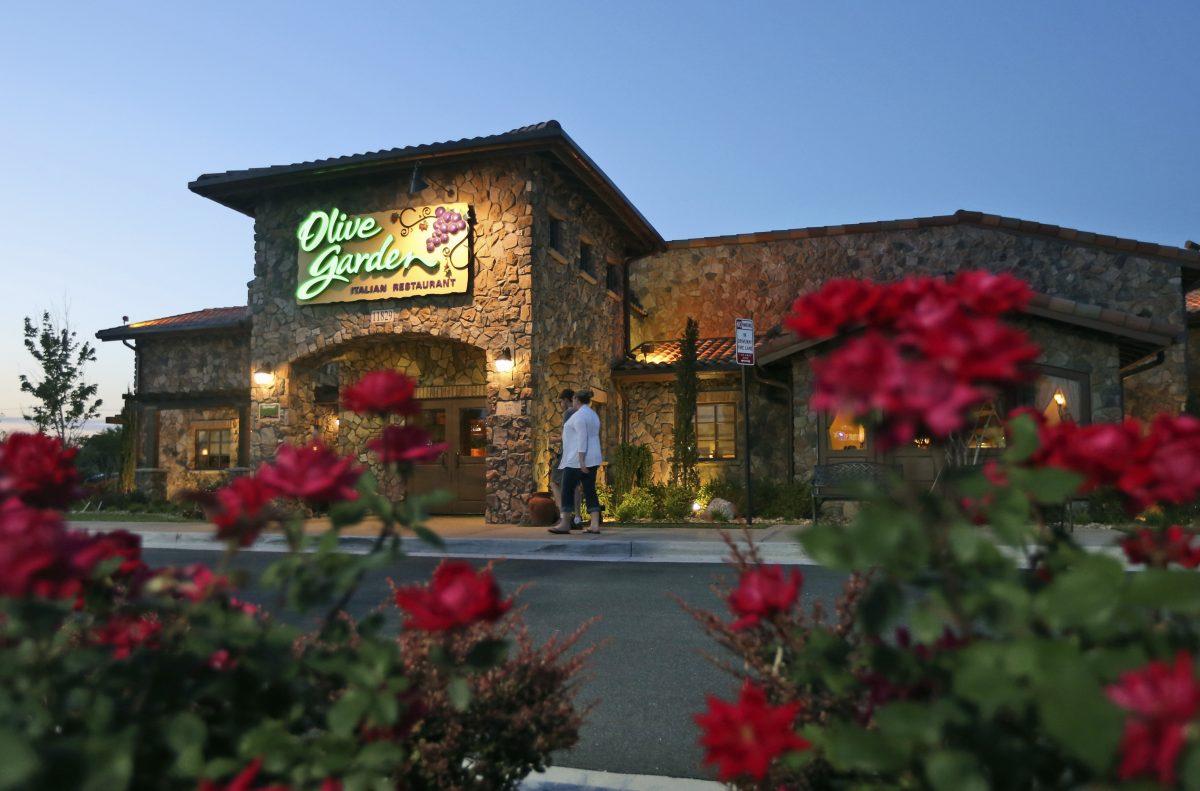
978, 645
114, 674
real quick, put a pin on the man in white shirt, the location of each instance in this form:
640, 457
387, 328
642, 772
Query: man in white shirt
580, 458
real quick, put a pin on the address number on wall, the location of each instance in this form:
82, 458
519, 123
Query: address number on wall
383, 316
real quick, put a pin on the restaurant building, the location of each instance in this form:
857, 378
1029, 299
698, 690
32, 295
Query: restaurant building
498, 270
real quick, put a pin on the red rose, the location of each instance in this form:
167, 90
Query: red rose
39, 556
1162, 699
839, 304
116, 544
744, 738
989, 294
312, 473
39, 470
978, 349
382, 393
406, 445
240, 510
457, 596
221, 660
1160, 548
126, 633
244, 781
763, 592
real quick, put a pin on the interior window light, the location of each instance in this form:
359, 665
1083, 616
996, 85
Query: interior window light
846, 433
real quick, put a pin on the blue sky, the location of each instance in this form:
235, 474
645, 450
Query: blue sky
712, 117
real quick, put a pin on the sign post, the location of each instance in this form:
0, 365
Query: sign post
743, 339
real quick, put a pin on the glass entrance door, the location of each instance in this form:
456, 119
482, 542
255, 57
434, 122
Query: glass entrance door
460, 470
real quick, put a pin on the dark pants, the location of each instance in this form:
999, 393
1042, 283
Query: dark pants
572, 479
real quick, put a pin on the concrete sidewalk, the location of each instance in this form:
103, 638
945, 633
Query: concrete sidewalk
470, 537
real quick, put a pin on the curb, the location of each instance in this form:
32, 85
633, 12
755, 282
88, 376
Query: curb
557, 778
588, 550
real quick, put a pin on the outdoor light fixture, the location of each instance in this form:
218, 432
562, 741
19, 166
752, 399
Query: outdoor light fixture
1059, 398
417, 184
264, 377
504, 362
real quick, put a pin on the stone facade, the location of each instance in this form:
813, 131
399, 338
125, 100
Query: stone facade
193, 363
177, 447
495, 314
531, 295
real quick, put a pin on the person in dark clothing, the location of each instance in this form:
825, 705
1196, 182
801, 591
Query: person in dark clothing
566, 405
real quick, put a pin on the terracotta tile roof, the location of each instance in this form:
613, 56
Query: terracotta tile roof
1185, 255
208, 319
238, 189
712, 354
1193, 301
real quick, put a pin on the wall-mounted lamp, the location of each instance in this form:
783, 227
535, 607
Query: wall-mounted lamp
264, 377
504, 361
1060, 398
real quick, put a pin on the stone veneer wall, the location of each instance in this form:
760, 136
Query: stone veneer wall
767, 277
651, 407
193, 363
177, 448
579, 324
495, 314
1193, 363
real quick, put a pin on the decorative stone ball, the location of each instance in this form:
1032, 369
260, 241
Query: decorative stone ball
542, 509
717, 506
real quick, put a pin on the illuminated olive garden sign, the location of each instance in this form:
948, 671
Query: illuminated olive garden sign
407, 252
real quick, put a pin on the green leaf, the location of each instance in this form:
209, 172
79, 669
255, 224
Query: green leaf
186, 734
1190, 770
348, 512
428, 536
954, 770
1077, 715
488, 654
911, 723
380, 756
1085, 594
1178, 591
827, 544
1022, 439
345, 714
1047, 485
367, 485
850, 748
881, 606
459, 692
18, 761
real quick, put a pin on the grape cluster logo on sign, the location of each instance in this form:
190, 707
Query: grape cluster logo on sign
409, 252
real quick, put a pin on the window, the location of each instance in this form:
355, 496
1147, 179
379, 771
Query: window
846, 433
612, 278
557, 235
987, 426
1059, 398
587, 261
716, 426
214, 448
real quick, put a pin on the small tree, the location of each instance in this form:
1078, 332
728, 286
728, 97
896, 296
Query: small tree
65, 400
683, 460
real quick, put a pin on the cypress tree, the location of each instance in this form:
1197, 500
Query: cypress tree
684, 458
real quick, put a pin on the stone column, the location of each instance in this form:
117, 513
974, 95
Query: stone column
509, 474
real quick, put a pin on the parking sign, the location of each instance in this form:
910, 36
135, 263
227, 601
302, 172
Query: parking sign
743, 339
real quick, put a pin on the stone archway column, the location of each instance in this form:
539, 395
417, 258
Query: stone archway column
509, 473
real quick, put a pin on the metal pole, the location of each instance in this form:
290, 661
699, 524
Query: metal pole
746, 441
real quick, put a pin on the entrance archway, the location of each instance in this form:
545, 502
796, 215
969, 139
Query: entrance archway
452, 378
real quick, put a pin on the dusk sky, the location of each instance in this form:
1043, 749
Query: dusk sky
712, 117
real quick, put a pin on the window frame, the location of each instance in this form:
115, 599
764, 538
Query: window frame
586, 261
716, 423
556, 240
614, 279
230, 447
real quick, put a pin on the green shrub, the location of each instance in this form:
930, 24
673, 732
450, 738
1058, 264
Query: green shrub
635, 504
630, 467
674, 503
1105, 507
773, 499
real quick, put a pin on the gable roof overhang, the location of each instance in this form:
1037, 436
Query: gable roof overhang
239, 189
208, 321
